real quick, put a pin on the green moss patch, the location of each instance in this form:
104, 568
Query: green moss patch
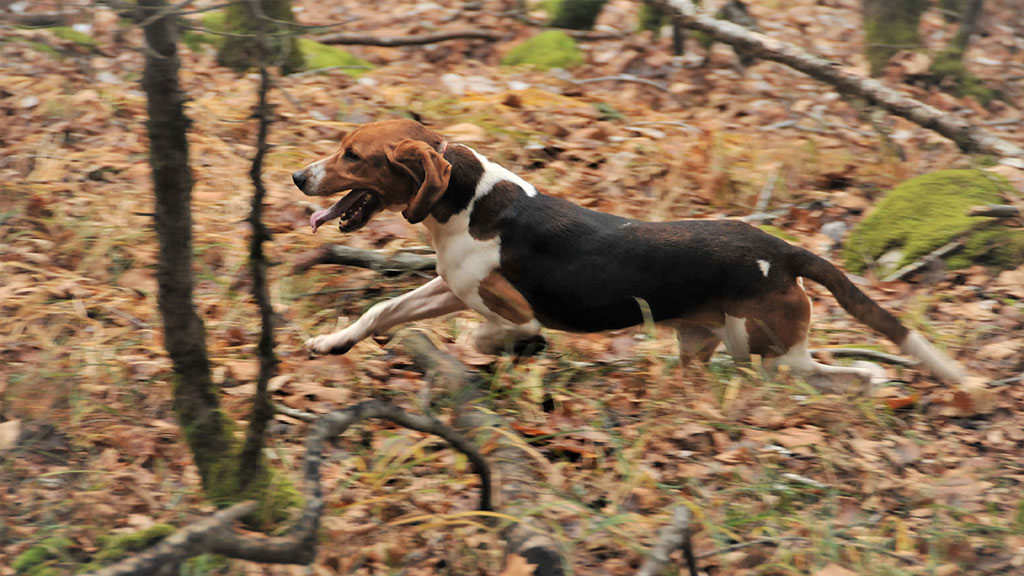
71, 35
319, 55
550, 49
928, 211
36, 560
119, 546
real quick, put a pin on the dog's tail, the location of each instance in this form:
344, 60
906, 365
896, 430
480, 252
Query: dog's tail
863, 308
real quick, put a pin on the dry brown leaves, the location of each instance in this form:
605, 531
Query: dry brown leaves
912, 478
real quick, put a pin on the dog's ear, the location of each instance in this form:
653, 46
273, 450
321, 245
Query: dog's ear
428, 169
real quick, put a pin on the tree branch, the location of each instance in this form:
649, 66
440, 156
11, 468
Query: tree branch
968, 137
674, 535
413, 40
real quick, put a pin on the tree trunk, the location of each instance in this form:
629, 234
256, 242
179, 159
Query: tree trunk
890, 26
575, 14
241, 52
195, 399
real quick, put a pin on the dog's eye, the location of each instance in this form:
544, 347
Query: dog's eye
350, 155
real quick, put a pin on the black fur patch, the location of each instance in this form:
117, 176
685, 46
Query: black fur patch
466, 173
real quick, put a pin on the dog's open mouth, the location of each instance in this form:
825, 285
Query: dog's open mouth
355, 209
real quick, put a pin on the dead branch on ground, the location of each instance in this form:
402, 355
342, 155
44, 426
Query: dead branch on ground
995, 211
516, 478
967, 136
412, 40
674, 535
214, 535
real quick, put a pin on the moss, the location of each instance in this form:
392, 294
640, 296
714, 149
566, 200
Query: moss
928, 211
240, 52
214, 21
574, 14
650, 18
948, 69
319, 55
115, 547
71, 35
550, 49
31, 561
890, 27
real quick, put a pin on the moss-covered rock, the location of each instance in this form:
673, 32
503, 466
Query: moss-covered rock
240, 51
926, 212
890, 27
550, 49
319, 56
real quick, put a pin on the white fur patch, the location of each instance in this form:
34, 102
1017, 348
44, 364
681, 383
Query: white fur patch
734, 334
765, 266
494, 173
315, 172
941, 365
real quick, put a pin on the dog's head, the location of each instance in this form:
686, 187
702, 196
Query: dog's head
395, 164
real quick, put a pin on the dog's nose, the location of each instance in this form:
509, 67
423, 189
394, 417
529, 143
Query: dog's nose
299, 177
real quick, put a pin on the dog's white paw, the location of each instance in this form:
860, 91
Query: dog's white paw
328, 344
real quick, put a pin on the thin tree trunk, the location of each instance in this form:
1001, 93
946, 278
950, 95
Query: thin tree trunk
195, 399
890, 26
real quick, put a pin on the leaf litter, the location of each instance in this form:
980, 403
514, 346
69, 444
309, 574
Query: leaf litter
915, 478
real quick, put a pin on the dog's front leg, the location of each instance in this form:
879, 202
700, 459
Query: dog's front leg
428, 301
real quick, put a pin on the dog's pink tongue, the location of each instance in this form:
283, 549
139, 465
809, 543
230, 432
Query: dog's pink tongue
327, 214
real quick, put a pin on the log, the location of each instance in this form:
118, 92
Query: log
372, 259
968, 137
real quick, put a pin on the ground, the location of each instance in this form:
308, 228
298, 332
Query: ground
911, 478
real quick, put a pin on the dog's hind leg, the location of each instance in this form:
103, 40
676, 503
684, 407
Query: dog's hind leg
428, 301
696, 341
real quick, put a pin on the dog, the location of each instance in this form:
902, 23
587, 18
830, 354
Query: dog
524, 260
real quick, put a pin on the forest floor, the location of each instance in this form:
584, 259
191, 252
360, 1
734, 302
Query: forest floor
910, 478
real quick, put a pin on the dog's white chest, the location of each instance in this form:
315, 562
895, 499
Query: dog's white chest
463, 261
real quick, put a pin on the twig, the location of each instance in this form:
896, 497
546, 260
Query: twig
740, 545
374, 260
674, 535
866, 353
413, 40
995, 211
295, 413
622, 78
924, 260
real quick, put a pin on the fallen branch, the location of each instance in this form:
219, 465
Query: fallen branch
413, 40
185, 543
37, 19
867, 353
968, 137
374, 260
517, 491
213, 535
995, 211
622, 78
924, 260
675, 535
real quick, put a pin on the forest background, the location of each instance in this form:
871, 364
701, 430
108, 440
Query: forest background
909, 478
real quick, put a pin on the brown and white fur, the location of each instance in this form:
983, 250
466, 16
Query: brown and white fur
524, 260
